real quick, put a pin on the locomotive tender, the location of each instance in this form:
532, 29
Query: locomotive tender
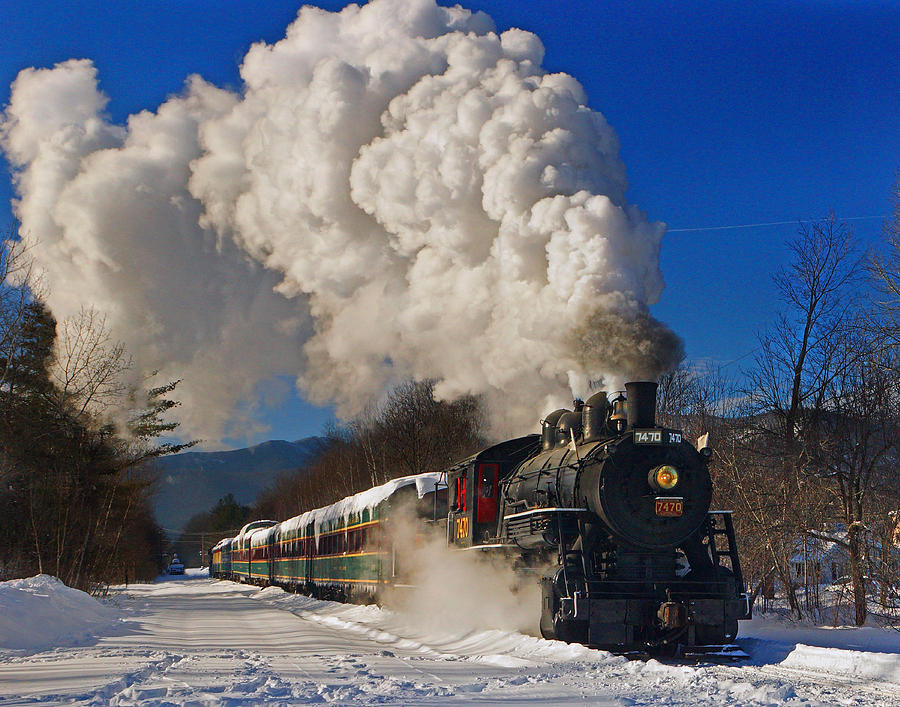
612, 508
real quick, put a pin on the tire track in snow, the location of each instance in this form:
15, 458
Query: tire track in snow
217, 643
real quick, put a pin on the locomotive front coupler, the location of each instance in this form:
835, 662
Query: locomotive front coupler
672, 614
670, 639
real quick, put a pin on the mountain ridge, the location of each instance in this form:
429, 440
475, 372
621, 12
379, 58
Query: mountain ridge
192, 482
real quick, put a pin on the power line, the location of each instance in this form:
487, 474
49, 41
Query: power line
741, 357
767, 223
198, 533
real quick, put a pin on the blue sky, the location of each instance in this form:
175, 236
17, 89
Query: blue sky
727, 113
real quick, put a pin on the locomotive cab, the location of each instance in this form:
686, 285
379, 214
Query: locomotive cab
474, 487
473, 513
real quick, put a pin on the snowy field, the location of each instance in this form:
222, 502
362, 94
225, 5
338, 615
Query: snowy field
195, 641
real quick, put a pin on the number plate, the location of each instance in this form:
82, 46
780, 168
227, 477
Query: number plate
462, 527
657, 437
669, 507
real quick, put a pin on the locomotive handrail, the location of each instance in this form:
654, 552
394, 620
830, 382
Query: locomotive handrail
545, 470
491, 546
546, 510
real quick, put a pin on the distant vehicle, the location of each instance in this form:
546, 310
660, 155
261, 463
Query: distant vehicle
176, 566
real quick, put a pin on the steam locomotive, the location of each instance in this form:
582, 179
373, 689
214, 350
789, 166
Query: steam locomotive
619, 509
609, 508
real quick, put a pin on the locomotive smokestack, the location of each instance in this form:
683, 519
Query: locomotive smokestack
641, 401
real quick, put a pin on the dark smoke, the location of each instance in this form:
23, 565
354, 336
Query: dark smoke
640, 347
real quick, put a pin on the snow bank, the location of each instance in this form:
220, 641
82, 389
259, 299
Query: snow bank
884, 667
41, 612
777, 630
393, 630
396, 631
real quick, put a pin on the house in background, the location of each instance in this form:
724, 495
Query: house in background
819, 561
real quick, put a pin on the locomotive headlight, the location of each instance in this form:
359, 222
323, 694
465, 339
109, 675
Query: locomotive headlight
665, 477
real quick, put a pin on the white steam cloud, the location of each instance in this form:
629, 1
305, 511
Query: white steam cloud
396, 191
443, 587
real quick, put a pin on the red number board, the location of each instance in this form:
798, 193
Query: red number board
670, 507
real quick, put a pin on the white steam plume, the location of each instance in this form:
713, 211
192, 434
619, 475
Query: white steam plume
444, 588
397, 191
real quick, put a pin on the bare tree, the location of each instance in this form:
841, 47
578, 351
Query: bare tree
798, 362
423, 434
819, 290
89, 367
70, 502
853, 449
697, 399
17, 291
409, 433
886, 274
366, 431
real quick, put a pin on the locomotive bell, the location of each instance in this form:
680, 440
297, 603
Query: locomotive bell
618, 416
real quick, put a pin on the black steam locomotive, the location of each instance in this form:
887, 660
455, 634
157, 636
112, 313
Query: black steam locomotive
619, 508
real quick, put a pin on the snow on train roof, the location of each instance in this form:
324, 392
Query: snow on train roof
343, 509
262, 536
219, 544
248, 531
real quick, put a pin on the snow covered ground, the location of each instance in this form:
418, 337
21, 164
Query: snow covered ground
195, 641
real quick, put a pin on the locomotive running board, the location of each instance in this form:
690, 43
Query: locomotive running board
536, 511
492, 546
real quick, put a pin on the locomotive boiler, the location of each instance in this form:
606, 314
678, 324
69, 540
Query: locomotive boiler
616, 510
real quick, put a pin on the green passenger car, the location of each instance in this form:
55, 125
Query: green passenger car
341, 557
241, 547
346, 551
261, 543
